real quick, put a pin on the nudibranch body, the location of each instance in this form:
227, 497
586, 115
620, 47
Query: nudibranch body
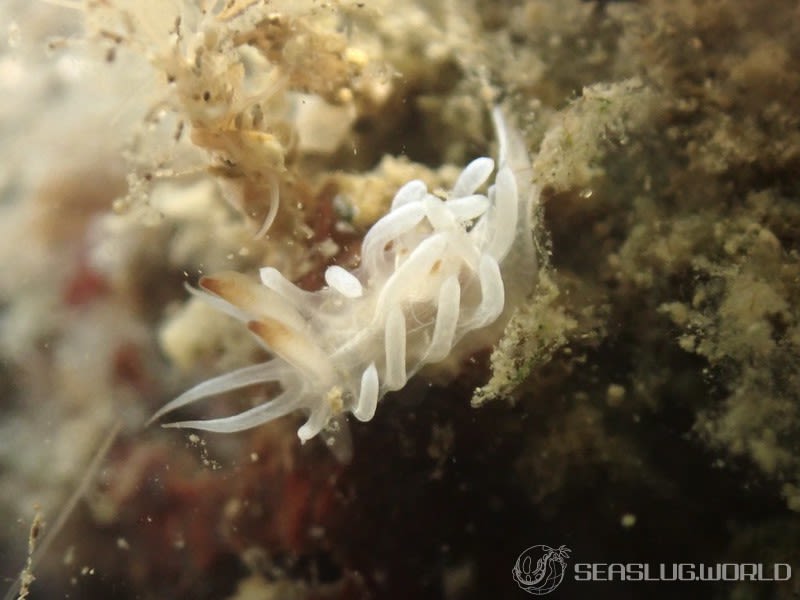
431, 272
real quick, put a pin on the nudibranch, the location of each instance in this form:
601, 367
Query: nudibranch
431, 272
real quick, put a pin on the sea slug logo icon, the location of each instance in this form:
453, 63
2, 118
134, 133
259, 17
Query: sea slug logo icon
540, 569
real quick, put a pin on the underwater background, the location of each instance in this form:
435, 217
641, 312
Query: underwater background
641, 405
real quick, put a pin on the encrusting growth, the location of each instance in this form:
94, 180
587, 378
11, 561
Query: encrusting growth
431, 272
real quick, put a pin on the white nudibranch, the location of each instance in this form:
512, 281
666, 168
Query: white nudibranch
430, 273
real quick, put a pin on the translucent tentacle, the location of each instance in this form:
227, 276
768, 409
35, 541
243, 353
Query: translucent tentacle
268, 371
274, 280
250, 300
438, 215
344, 282
368, 396
492, 293
389, 227
467, 208
318, 418
472, 177
413, 191
446, 321
418, 264
395, 348
258, 415
299, 348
